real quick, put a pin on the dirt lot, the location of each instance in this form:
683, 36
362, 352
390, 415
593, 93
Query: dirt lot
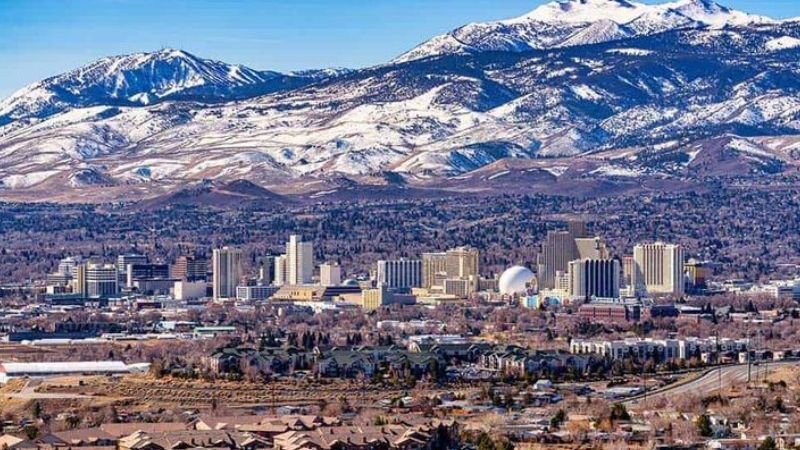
145, 390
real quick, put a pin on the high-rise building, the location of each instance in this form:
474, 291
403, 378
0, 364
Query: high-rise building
628, 266
330, 274
594, 278
122, 265
434, 269
281, 271
145, 272
190, 268
266, 270
101, 280
79, 280
67, 266
299, 260
698, 274
658, 269
558, 250
399, 273
226, 270
462, 262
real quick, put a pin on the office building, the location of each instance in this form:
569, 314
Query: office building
101, 280
299, 260
610, 310
190, 268
399, 273
561, 247
558, 250
67, 266
138, 272
590, 278
434, 269
458, 287
281, 271
266, 270
190, 290
462, 262
375, 298
627, 270
658, 269
226, 270
79, 280
330, 274
255, 292
124, 260
697, 275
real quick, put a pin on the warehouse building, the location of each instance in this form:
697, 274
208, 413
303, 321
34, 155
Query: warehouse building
11, 370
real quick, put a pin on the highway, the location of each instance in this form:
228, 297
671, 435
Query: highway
710, 382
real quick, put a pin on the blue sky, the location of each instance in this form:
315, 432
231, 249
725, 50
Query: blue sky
45, 37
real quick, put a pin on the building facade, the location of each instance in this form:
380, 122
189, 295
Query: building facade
658, 269
400, 273
434, 269
101, 280
330, 274
594, 278
299, 260
226, 271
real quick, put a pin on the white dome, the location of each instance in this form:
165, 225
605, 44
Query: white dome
515, 280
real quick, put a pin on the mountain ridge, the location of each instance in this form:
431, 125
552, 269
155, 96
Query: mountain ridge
620, 106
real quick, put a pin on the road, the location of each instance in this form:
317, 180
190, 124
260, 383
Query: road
710, 382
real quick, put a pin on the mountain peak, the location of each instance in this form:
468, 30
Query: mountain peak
134, 79
565, 23
571, 11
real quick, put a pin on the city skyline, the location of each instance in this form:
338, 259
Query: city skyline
50, 38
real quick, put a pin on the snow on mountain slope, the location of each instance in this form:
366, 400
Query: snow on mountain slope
143, 79
579, 22
657, 95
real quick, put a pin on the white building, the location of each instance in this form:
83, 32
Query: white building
662, 349
226, 270
189, 290
10, 370
255, 292
101, 280
399, 273
299, 260
658, 269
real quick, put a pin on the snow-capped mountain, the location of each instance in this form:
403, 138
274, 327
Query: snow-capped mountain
144, 79
579, 22
681, 91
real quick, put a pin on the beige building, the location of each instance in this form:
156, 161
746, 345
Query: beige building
375, 298
434, 269
226, 271
558, 249
299, 260
330, 274
281, 271
658, 269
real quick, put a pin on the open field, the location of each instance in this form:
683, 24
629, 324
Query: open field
142, 389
